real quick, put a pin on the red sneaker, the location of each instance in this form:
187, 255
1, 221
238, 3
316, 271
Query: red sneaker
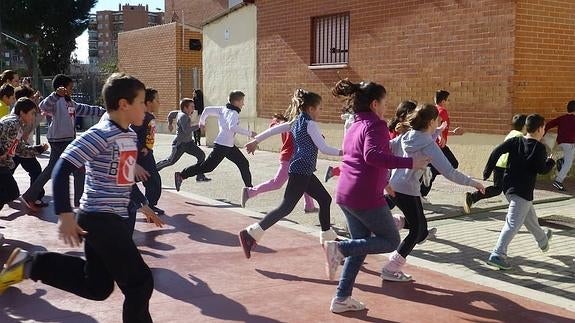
247, 242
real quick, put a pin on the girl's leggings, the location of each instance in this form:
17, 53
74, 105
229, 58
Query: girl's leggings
298, 185
276, 183
415, 220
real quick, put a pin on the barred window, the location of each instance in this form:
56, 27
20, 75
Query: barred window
330, 39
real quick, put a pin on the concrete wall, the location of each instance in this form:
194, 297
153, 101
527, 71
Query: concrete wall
229, 60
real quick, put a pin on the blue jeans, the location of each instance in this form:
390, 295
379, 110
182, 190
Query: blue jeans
361, 225
520, 212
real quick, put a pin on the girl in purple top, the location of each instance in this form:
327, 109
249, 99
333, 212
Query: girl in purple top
360, 191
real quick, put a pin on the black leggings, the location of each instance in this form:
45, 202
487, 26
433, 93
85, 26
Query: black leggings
491, 191
434, 172
297, 185
415, 220
32, 167
9, 189
215, 158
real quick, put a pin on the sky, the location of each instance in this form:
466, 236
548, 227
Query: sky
82, 41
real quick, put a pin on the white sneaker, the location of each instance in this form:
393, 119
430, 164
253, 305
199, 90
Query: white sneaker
333, 258
395, 276
349, 304
426, 178
424, 201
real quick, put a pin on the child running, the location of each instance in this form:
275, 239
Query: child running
527, 158
566, 141
360, 189
224, 147
418, 141
518, 123
108, 150
282, 173
184, 141
305, 109
12, 143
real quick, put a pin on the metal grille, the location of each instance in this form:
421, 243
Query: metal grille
331, 39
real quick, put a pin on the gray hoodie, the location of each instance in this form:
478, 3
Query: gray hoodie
417, 143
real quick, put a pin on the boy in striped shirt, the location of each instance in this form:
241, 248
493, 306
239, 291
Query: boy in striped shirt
108, 151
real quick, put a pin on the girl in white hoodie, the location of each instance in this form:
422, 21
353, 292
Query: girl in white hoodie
405, 182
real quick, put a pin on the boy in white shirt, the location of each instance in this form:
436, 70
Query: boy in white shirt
229, 124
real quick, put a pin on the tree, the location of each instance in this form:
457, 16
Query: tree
53, 25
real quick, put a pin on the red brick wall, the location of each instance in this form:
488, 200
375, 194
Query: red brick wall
195, 11
157, 65
544, 57
412, 47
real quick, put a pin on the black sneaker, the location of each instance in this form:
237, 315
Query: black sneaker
202, 178
559, 186
247, 242
178, 180
559, 164
467, 203
41, 204
157, 210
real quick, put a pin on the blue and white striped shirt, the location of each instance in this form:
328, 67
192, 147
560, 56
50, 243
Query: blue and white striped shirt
109, 154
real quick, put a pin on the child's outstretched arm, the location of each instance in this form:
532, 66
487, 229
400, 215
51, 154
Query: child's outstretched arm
85, 110
319, 141
273, 131
209, 111
503, 148
48, 105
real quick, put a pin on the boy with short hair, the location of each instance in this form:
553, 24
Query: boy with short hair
566, 141
61, 132
441, 97
518, 123
224, 147
146, 137
184, 141
108, 150
527, 158
6, 99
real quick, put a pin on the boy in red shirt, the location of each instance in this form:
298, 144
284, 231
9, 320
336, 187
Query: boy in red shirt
566, 141
441, 97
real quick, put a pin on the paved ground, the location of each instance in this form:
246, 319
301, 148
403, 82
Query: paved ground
452, 281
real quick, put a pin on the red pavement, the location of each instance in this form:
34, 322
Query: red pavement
201, 275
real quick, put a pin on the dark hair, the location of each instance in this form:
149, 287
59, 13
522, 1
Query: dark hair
24, 105
280, 116
403, 109
359, 95
534, 122
6, 90
419, 119
441, 95
518, 121
236, 95
571, 106
199, 100
301, 101
7, 76
23, 91
120, 86
185, 102
61, 80
150, 94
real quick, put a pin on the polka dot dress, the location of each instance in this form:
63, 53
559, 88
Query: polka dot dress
304, 159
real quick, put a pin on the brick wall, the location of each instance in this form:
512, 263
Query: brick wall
195, 11
544, 56
412, 47
157, 65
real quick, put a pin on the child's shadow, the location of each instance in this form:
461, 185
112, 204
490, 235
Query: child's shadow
17, 307
193, 290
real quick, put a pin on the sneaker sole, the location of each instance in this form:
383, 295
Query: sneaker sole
497, 265
347, 309
466, 207
243, 243
393, 279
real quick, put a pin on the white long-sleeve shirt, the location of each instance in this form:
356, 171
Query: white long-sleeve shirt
228, 122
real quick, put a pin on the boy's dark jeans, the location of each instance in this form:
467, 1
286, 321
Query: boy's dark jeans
215, 158
154, 184
56, 150
491, 191
32, 167
111, 256
8, 188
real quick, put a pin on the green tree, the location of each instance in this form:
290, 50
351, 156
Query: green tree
53, 25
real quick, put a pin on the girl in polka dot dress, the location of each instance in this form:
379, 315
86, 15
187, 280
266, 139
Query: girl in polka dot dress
305, 110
